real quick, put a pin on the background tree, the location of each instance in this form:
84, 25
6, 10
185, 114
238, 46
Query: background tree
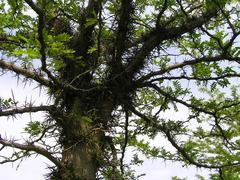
111, 68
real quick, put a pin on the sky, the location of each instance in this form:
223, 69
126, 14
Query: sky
36, 166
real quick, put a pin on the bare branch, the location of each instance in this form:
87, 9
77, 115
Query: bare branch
26, 73
15, 157
31, 147
30, 109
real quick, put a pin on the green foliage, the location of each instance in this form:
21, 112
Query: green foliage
177, 178
120, 71
34, 128
6, 103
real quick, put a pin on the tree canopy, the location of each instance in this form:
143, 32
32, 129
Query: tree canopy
111, 70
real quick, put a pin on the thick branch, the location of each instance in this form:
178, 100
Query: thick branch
26, 73
31, 147
123, 23
15, 111
161, 12
82, 42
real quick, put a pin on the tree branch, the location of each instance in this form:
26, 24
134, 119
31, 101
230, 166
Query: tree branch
155, 37
26, 73
83, 41
41, 26
187, 156
36, 76
125, 141
7, 40
30, 109
32, 147
181, 65
167, 95
194, 78
180, 150
124, 19
163, 9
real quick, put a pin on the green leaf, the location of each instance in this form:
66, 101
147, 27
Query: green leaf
34, 128
87, 119
91, 22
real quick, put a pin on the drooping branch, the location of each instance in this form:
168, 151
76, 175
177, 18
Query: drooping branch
31, 147
25, 72
223, 134
31, 109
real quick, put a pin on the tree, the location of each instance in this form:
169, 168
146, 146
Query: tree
111, 68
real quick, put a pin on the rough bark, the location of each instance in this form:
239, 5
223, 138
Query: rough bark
83, 139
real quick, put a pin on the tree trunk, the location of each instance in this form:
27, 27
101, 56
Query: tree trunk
83, 139
80, 161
